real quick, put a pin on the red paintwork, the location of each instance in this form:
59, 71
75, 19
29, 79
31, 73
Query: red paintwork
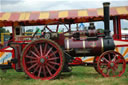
121, 45
119, 30
115, 26
111, 63
13, 54
73, 43
60, 40
95, 63
34, 15
53, 14
1, 46
94, 47
77, 61
13, 33
113, 11
14, 16
72, 13
92, 33
50, 67
92, 12
115, 37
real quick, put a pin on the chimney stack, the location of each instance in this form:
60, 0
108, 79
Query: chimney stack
106, 18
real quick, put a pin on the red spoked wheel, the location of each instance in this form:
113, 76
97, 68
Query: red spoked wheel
95, 60
42, 59
111, 64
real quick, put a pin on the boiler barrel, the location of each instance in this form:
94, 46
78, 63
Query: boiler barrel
88, 47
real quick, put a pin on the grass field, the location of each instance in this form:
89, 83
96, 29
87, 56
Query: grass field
79, 76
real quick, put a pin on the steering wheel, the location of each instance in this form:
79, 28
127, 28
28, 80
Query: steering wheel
34, 34
57, 26
47, 35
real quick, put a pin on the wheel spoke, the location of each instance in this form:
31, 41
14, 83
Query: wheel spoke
45, 47
54, 63
106, 60
113, 71
48, 51
103, 64
36, 69
54, 58
39, 71
48, 70
117, 70
34, 54
108, 71
30, 57
51, 66
109, 57
117, 61
114, 59
116, 65
44, 71
53, 53
32, 66
41, 50
36, 50
104, 68
32, 61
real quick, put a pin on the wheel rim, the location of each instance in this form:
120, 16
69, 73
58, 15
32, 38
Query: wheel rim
95, 63
42, 59
111, 64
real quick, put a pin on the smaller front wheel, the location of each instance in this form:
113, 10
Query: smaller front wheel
111, 64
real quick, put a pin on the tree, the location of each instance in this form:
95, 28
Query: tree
3, 30
29, 30
125, 28
100, 30
7, 31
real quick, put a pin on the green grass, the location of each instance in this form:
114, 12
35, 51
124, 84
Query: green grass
79, 76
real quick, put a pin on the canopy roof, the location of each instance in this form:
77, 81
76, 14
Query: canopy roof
72, 16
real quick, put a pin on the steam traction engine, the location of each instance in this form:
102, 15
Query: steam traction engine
47, 57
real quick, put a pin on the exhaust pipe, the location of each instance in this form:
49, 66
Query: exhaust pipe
106, 19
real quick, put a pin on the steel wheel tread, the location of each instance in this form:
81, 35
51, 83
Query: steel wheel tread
111, 64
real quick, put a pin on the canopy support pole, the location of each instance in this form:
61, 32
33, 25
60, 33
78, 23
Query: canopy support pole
117, 27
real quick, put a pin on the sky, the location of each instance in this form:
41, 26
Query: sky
47, 5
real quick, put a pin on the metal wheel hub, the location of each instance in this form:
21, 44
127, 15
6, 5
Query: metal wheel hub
42, 60
111, 64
